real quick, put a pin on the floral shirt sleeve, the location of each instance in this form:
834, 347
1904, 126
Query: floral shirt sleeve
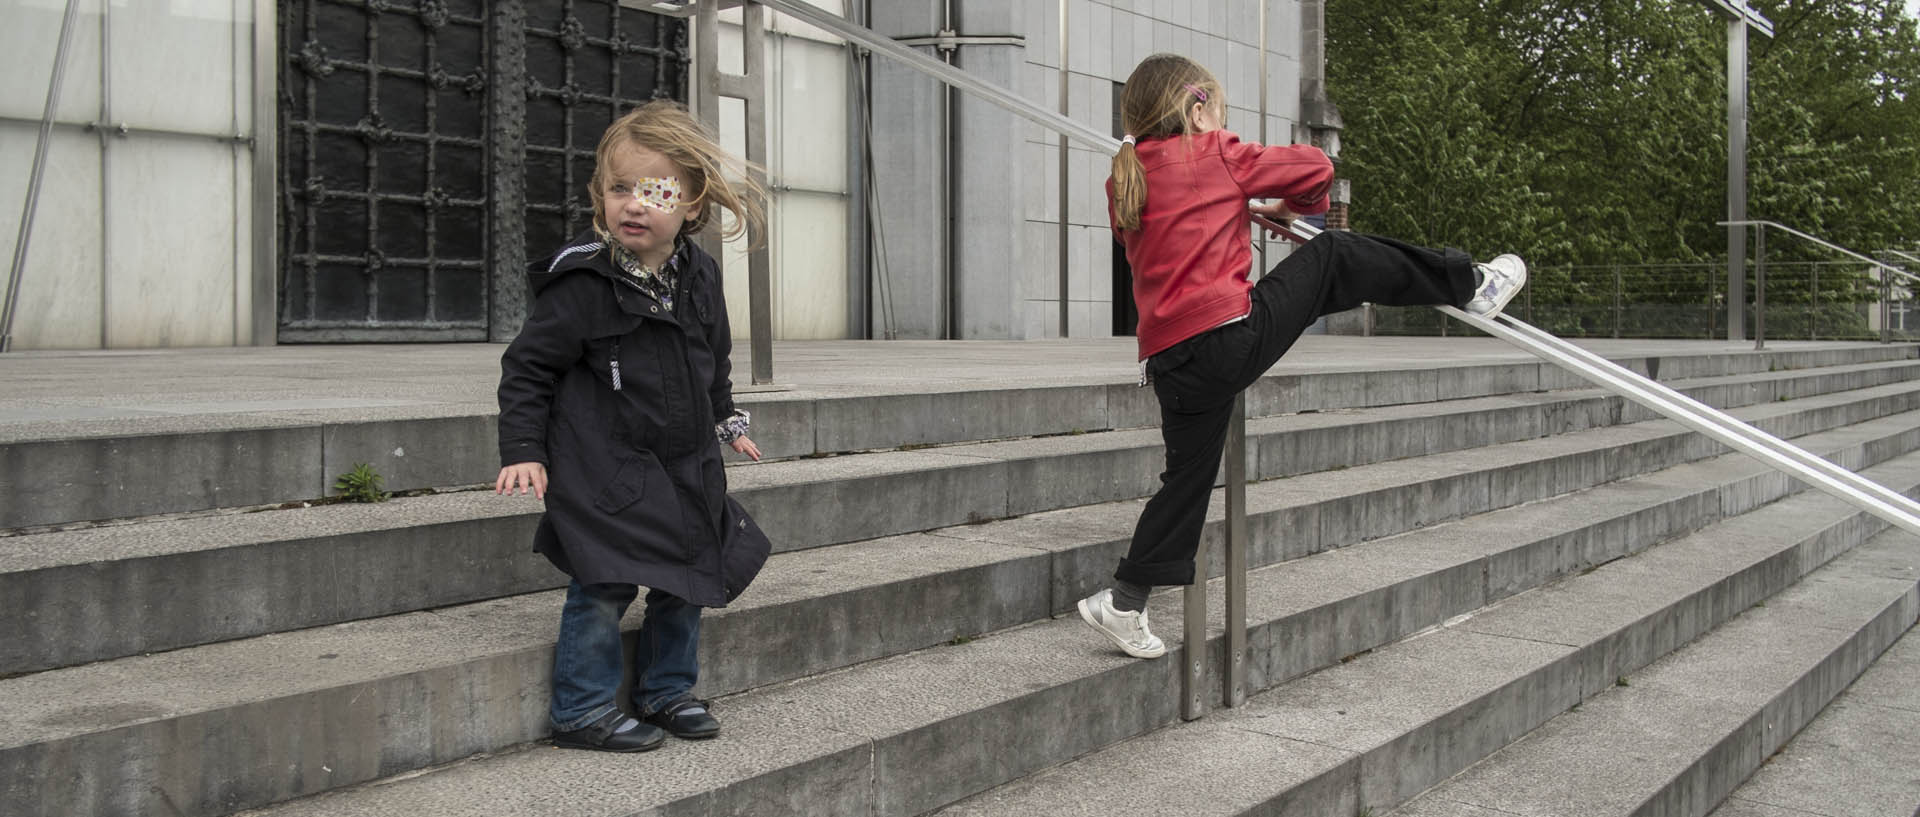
734, 427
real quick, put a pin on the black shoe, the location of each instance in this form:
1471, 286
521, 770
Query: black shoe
685, 725
600, 735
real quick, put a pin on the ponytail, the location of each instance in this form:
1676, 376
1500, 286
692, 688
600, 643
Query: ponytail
1129, 187
1154, 105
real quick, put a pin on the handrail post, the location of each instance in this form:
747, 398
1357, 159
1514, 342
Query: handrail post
1813, 321
1886, 306
1234, 677
1618, 303
750, 88
1236, 566
1193, 652
1760, 288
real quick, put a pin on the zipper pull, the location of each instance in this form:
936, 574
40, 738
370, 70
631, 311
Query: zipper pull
613, 365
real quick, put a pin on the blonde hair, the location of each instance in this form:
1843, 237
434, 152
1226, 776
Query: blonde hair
1157, 102
712, 175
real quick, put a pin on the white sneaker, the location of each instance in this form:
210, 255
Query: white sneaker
1501, 279
1128, 630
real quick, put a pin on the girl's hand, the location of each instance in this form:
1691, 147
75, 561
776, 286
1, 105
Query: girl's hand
746, 446
527, 476
1275, 211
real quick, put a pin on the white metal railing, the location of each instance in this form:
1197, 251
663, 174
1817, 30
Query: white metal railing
1760, 272
1863, 493
1847, 485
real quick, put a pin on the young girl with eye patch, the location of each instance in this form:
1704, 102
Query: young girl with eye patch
1178, 201
614, 402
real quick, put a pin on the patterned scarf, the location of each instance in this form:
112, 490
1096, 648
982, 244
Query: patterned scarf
659, 283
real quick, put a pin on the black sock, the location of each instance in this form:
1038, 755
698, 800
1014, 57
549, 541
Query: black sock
1129, 597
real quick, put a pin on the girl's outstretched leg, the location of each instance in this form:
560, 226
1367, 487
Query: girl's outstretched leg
1337, 271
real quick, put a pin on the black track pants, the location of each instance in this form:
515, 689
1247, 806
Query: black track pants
1197, 379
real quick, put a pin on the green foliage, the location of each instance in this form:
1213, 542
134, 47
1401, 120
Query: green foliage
362, 484
1593, 132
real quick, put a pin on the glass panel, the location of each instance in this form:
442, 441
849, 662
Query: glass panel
173, 63
60, 294
27, 44
810, 268
810, 132
170, 243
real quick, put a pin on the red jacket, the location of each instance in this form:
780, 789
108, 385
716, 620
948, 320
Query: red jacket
1192, 252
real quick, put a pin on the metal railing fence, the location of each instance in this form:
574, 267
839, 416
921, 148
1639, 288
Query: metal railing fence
1794, 300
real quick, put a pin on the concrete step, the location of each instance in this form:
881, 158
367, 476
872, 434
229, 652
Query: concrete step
1674, 738
909, 735
1856, 759
209, 578
1365, 736
290, 450
334, 706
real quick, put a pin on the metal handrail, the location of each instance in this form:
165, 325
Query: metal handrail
1827, 244
1864, 493
1760, 273
948, 74
1823, 474
1859, 491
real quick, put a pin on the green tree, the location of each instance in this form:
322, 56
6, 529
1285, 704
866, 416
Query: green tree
1593, 132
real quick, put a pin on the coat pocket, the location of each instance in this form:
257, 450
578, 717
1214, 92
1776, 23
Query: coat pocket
629, 483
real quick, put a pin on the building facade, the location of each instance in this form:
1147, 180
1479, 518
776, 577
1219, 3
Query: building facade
235, 172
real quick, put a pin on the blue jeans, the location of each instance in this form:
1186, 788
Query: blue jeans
587, 661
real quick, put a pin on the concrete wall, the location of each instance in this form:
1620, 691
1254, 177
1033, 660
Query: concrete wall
906, 146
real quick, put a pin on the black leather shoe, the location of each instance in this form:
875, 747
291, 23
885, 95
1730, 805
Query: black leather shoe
599, 736
685, 725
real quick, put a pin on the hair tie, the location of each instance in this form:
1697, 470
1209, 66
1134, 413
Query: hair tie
1128, 140
1196, 91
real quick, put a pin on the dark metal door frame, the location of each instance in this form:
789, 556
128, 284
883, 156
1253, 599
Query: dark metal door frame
427, 149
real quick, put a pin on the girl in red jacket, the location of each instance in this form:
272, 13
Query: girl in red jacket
1178, 202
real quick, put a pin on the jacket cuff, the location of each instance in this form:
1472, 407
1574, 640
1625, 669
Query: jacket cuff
514, 452
734, 426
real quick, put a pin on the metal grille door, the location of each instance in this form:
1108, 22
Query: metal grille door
428, 147
587, 62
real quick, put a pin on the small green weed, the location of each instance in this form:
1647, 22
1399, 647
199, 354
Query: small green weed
1621, 682
362, 484
959, 640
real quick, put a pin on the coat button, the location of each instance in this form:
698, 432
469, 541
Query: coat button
743, 524
653, 309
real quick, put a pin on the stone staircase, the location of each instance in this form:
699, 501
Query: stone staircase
1455, 565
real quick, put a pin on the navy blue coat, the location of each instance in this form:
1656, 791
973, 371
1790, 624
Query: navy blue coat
617, 396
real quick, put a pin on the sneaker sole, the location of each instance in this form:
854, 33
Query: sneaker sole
573, 744
1087, 616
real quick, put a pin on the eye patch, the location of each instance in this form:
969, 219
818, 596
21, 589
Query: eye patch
660, 193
